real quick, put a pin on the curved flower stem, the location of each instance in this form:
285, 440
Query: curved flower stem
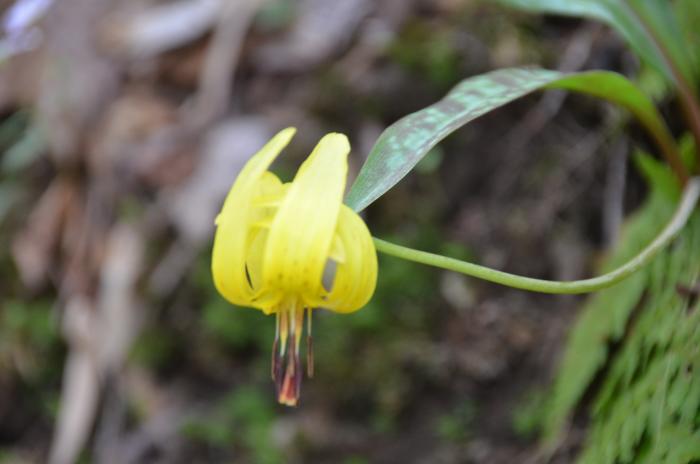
691, 193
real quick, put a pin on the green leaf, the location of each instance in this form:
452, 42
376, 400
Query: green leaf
650, 28
665, 33
688, 14
403, 144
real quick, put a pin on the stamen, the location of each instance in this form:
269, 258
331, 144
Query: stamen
298, 374
309, 346
284, 330
291, 384
292, 322
308, 320
274, 368
286, 361
299, 327
289, 394
299, 322
277, 325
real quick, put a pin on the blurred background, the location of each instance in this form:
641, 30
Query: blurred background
123, 125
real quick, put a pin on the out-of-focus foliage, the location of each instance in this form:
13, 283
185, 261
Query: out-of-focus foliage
688, 14
643, 23
634, 348
28, 336
428, 53
639, 341
648, 408
241, 419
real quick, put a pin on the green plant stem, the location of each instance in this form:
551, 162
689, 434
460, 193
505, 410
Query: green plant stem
691, 193
669, 150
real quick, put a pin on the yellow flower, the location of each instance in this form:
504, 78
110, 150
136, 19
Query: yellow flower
288, 248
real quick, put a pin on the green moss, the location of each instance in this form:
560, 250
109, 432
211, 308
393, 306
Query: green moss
428, 52
457, 425
234, 327
527, 417
155, 347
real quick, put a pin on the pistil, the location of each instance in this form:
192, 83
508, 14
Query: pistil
286, 360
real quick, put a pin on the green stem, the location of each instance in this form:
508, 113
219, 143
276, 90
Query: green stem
691, 193
668, 148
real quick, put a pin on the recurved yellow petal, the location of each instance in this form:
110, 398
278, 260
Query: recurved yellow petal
301, 233
233, 231
355, 277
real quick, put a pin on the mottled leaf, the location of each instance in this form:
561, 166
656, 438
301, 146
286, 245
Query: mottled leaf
404, 143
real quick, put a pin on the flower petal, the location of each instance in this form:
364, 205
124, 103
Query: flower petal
233, 223
356, 277
302, 231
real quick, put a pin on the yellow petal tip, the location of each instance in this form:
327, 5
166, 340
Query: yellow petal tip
335, 142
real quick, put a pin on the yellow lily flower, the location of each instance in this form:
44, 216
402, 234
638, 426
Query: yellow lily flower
288, 248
